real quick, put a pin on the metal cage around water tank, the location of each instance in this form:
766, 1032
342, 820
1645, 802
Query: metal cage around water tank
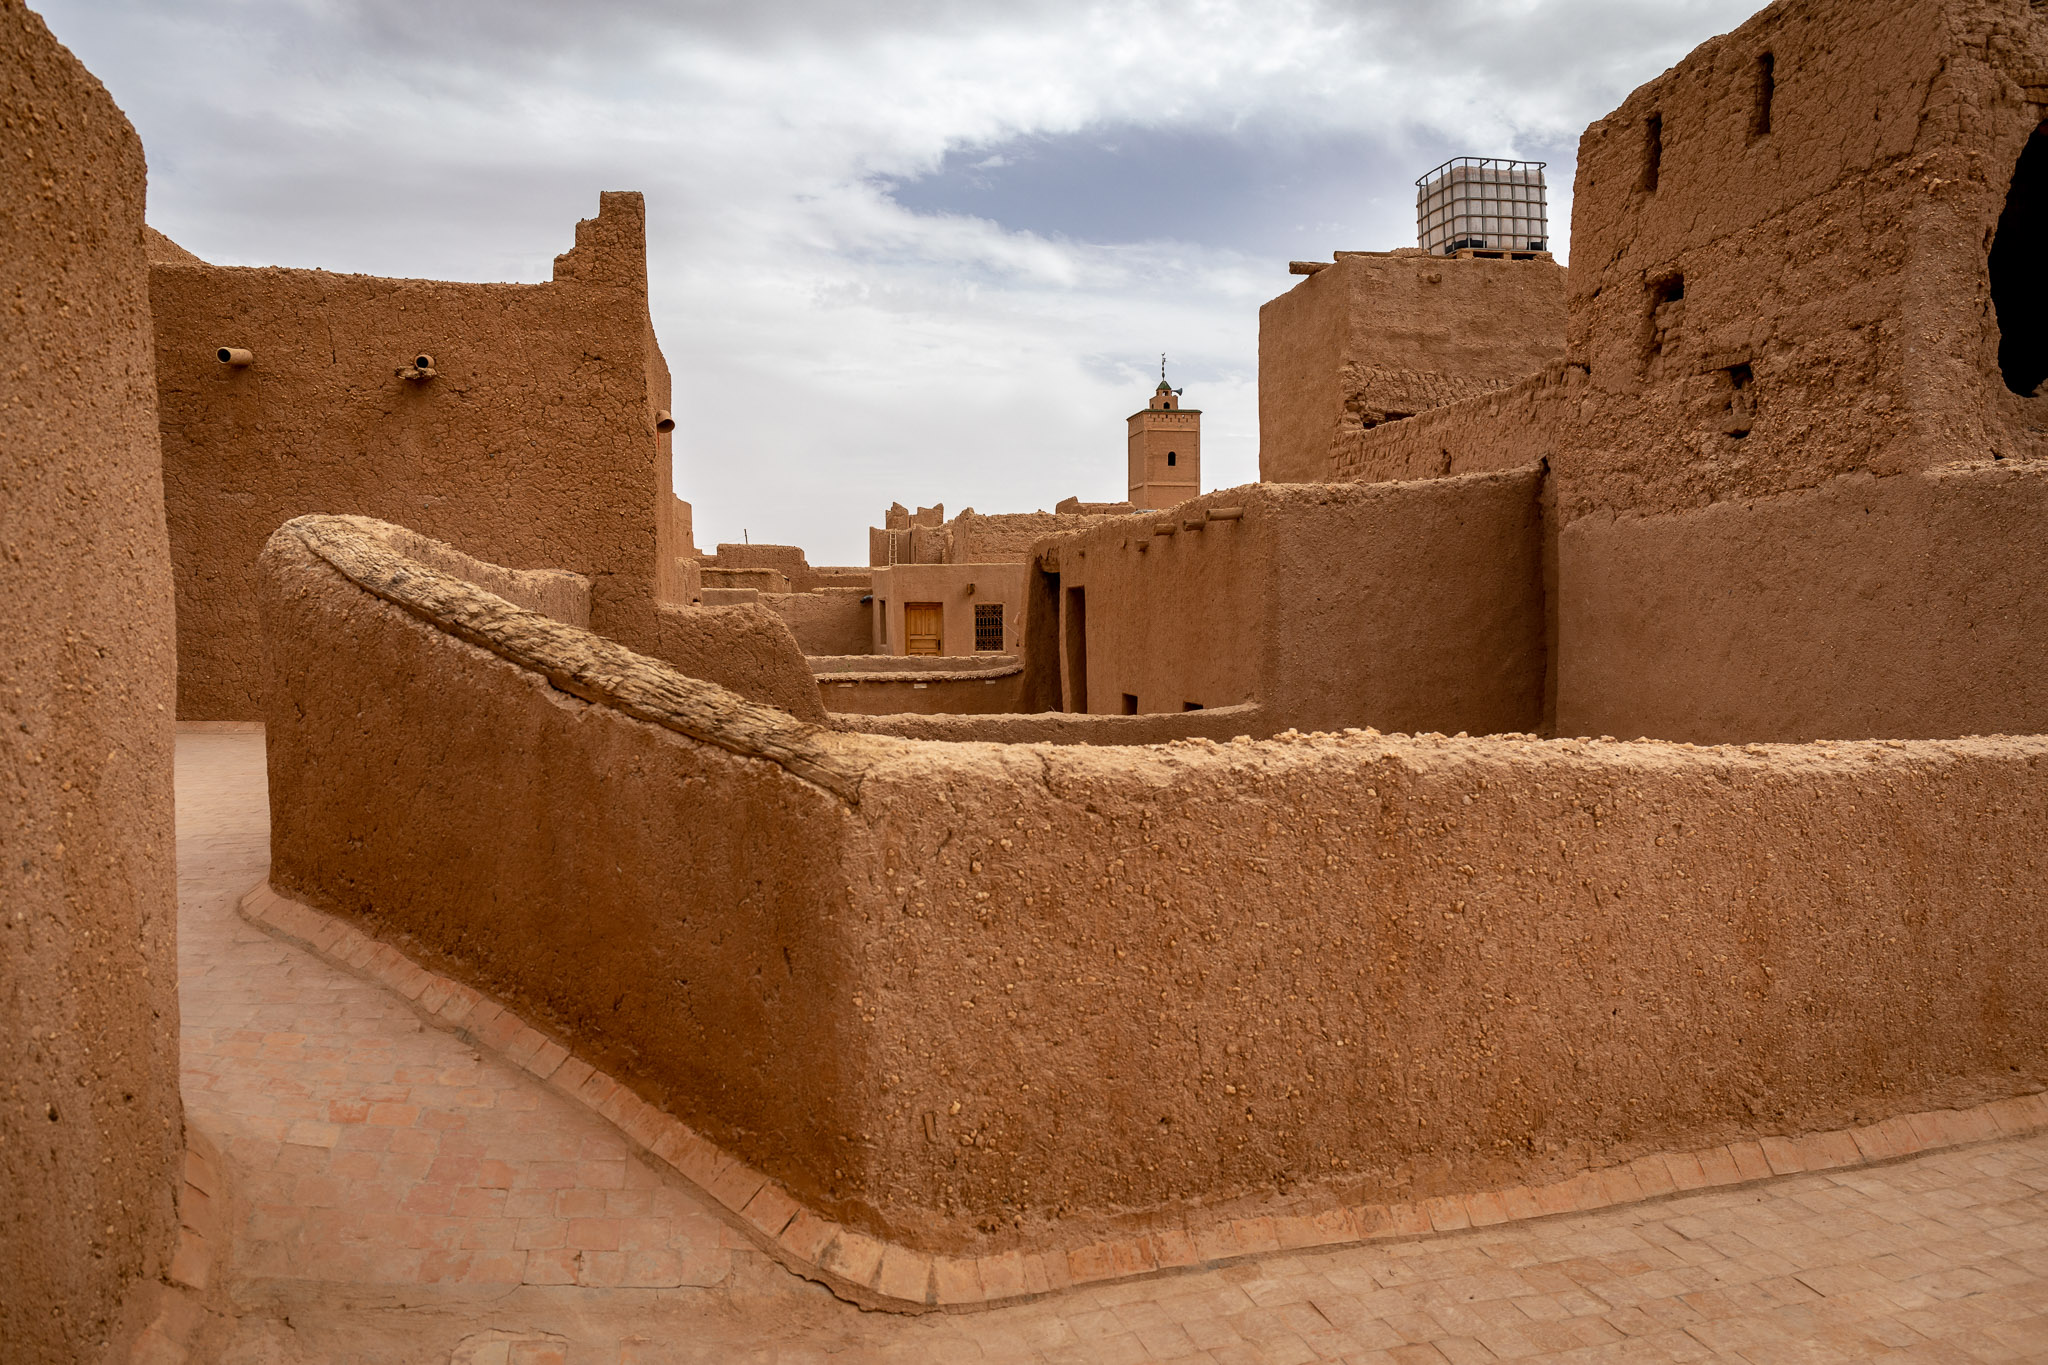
1482, 202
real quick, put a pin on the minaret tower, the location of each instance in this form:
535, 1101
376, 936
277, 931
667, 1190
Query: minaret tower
1165, 449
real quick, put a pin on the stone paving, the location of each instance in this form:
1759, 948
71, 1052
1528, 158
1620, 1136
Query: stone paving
395, 1196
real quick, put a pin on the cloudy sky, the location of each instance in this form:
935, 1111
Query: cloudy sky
914, 251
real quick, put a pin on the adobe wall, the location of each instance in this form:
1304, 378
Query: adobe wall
1007, 537
973, 692
1375, 337
678, 578
827, 621
1912, 606
533, 446
745, 648
907, 537
1796, 456
1067, 727
1409, 606
1840, 257
91, 1128
976, 537
758, 580
1775, 442
1514, 427
1355, 967
786, 560
958, 589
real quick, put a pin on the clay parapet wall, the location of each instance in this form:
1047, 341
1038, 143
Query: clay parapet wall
906, 686
788, 561
1400, 605
1007, 537
760, 579
534, 444
1067, 727
924, 666
953, 695
945, 992
746, 648
91, 1127
976, 537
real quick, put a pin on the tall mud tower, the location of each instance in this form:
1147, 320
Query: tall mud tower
90, 1123
1165, 450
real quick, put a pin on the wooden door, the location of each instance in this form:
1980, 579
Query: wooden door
924, 628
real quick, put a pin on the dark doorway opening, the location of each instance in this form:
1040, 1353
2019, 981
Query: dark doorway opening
1042, 642
1076, 630
2019, 271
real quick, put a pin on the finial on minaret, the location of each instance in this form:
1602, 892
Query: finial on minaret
1162, 367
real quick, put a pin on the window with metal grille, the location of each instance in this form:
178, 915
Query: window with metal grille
988, 627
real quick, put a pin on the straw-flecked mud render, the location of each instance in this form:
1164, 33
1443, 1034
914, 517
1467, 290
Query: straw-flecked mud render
956, 992
90, 1123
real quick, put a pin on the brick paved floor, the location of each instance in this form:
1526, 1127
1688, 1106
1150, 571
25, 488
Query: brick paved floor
395, 1197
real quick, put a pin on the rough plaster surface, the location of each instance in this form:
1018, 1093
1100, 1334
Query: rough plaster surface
955, 992
975, 537
1068, 727
745, 648
979, 692
859, 685
1507, 428
1404, 606
90, 1126
161, 250
826, 621
1842, 256
1910, 606
1377, 337
533, 445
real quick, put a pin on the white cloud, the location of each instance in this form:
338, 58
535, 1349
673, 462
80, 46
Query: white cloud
833, 350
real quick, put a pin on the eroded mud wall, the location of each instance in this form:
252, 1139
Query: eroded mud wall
1377, 337
1513, 427
1781, 507
533, 446
828, 621
1790, 478
90, 1122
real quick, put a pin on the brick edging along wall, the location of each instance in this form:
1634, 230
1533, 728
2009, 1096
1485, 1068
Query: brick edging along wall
886, 1275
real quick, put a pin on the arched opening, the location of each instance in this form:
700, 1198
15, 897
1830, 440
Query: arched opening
2019, 271
1171, 459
